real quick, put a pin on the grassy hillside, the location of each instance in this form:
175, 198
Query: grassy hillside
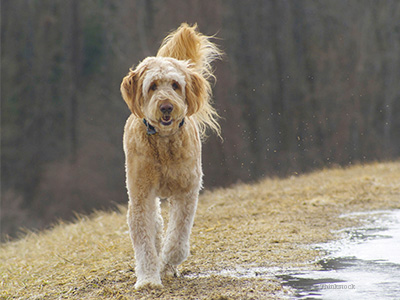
267, 224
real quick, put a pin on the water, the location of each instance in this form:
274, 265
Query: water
365, 264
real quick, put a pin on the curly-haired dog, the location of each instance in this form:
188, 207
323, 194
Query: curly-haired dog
169, 96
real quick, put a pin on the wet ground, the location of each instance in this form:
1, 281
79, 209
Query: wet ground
365, 264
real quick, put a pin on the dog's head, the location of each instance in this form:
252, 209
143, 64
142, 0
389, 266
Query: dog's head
164, 90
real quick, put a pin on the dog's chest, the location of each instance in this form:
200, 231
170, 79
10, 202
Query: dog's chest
168, 151
178, 166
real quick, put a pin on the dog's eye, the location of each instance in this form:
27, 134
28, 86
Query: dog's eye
153, 87
175, 85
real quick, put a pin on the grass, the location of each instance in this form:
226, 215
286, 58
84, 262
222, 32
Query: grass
271, 223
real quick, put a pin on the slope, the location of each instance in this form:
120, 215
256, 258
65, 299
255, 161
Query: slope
271, 223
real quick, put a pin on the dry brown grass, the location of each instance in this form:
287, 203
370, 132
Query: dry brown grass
267, 224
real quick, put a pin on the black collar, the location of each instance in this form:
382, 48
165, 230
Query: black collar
151, 130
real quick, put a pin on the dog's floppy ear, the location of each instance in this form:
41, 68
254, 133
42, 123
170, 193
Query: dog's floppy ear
197, 92
131, 90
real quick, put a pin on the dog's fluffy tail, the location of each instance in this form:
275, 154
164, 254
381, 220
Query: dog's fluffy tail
187, 43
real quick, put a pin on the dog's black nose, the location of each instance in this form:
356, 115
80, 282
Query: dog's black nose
166, 108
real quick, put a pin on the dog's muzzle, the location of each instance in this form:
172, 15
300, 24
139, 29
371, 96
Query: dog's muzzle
166, 109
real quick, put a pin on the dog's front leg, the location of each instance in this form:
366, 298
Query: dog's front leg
143, 219
176, 244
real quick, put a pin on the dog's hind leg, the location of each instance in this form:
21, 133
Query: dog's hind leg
176, 244
143, 217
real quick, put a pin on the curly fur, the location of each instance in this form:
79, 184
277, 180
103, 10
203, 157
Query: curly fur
172, 93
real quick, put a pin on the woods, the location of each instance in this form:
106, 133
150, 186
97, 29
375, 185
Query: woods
303, 85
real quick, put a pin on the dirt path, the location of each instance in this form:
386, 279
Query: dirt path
270, 224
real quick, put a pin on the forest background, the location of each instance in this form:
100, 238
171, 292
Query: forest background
302, 85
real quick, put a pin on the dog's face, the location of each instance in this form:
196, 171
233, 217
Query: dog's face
164, 90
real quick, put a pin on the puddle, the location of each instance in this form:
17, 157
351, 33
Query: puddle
363, 265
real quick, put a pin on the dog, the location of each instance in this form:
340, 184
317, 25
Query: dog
169, 96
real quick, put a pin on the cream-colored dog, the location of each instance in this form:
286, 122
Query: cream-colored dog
169, 96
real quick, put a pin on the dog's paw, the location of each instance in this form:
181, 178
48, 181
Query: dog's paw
148, 283
170, 271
